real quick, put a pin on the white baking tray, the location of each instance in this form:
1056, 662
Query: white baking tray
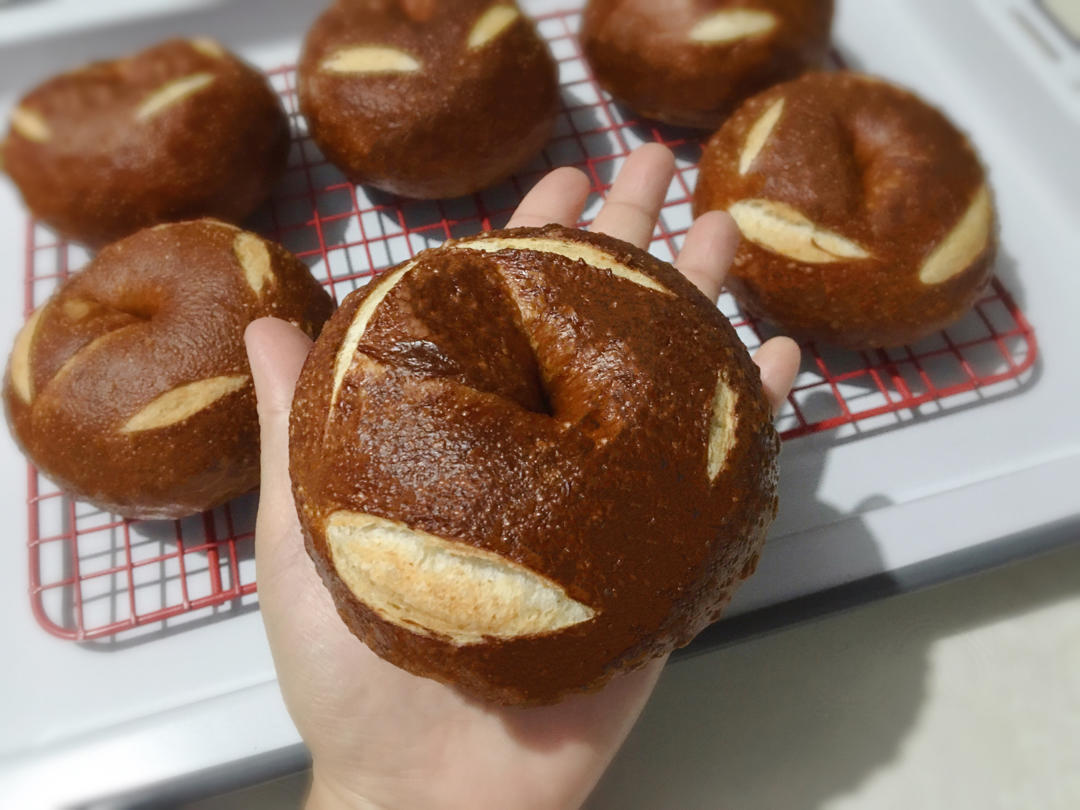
939, 493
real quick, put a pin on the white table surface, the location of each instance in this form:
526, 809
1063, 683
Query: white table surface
993, 479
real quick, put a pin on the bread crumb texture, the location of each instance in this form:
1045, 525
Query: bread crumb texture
447, 588
779, 228
30, 125
576, 251
723, 423
759, 135
184, 402
491, 24
731, 25
254, 257
172, 93
370, 59
963, 244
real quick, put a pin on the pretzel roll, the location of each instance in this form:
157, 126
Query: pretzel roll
427, 99
866, 215
529, 460
181, 130
691, 62
130, 388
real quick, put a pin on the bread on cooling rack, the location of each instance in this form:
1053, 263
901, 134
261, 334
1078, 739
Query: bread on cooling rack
691, 62
427, 99
508, 484
130, 387
866, 216
178, 131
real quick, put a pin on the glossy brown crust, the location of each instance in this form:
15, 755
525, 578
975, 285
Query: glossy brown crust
104, 173
160, 309
584, 461
465, 120
875, 164
641, 53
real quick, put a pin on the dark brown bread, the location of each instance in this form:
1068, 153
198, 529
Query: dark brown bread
178, 131
691, 62
130, 386
866, 217
530, 460
427, 99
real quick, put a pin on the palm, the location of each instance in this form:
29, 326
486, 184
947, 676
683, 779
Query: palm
429, 741
378, 735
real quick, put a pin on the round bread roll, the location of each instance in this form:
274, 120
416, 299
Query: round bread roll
427, 99
529, 460
130, 387
178, 131
690, 62
866, 215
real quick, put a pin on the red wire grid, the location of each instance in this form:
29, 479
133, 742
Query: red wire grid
94, 575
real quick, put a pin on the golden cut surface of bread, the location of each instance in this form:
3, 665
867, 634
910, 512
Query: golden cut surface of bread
691, 62
866, 214
178, 131
130, 386
427, 99
530, 460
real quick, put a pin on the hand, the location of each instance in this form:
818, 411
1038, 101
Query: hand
380, 737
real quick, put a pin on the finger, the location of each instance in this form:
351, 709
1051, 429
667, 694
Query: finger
707, 253
634, 202
291, 596
559, 197
276, 352
779, 361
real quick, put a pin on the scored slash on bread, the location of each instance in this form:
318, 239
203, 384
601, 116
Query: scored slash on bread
183, 402
781, 229
491, 24
30, 125
253, 254
444, 588
528, 460
759, 134
964, 244
370, 59
730, 25
172, 93
576, 251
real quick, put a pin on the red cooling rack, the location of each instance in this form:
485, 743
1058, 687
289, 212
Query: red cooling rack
94, 575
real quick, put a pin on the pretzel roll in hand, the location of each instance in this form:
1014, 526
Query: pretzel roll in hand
866, 216
530, 460
691, 62
427, 98
130, 387
178, 131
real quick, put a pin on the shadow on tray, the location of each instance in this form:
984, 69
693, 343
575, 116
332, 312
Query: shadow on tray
769, 724
801, 720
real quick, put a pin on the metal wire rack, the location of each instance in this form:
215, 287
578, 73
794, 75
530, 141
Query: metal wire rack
94, 575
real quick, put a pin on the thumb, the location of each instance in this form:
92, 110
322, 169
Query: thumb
297, 610
276, 352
